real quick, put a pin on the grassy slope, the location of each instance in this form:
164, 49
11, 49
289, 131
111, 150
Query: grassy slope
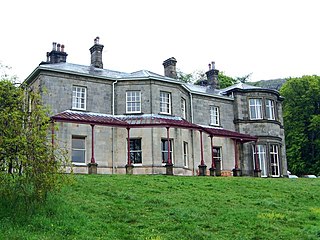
163, 207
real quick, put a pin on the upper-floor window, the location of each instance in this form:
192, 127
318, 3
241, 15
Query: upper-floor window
255, 107
270, 113
79, 95
165, 102
78, 149
183, 108
135, 151
214, 116
133, 102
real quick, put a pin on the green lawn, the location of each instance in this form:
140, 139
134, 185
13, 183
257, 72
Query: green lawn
172, 207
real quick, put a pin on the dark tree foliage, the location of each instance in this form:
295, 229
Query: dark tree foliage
225, 81
302, 124
29, 169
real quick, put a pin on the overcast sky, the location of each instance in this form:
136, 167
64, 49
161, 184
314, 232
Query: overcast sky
268, 38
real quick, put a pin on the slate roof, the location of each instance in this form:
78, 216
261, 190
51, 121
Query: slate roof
246, 87
202, 89
108, 74
240, 85
144, 121
102, 73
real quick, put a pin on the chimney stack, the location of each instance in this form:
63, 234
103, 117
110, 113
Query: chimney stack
212, 76
170, 68
57, 55
96, 54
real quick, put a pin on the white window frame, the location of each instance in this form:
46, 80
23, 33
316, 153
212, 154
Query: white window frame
135, 151
255, 108
78, 149
164, 151
274, 160
185, 154
183, 108
214, 116
262, 156
165, 102
134, 99
270, 109
79, 98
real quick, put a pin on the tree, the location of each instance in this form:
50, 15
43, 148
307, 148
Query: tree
225, 81
302, 124
199, 78
196, 76
29, 169
244, 78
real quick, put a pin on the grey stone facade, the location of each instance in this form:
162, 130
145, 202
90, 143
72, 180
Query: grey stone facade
105, 92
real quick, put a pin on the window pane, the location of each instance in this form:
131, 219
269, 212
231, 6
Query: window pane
270, 109
255, 107
214, 115
133, 101
261, 155
78, 156
217, 152
78, 97
274, 160
165, 102
138, 158
135, 151
78, 143
185, 154
164, 149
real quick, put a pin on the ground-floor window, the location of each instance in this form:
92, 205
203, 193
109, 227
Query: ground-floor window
217, 156
268, 157
261, 155
78, 149
274, 160
135, 151
164, 150
185, 154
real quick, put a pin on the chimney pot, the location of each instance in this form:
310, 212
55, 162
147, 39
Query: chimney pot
96, 40
57, 55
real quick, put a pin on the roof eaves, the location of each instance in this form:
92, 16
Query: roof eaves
31, 76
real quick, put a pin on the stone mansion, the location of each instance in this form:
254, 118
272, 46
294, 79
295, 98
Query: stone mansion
115, 122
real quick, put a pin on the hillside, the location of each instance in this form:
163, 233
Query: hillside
171, 207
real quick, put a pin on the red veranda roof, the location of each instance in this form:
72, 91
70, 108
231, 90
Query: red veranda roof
144, 121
